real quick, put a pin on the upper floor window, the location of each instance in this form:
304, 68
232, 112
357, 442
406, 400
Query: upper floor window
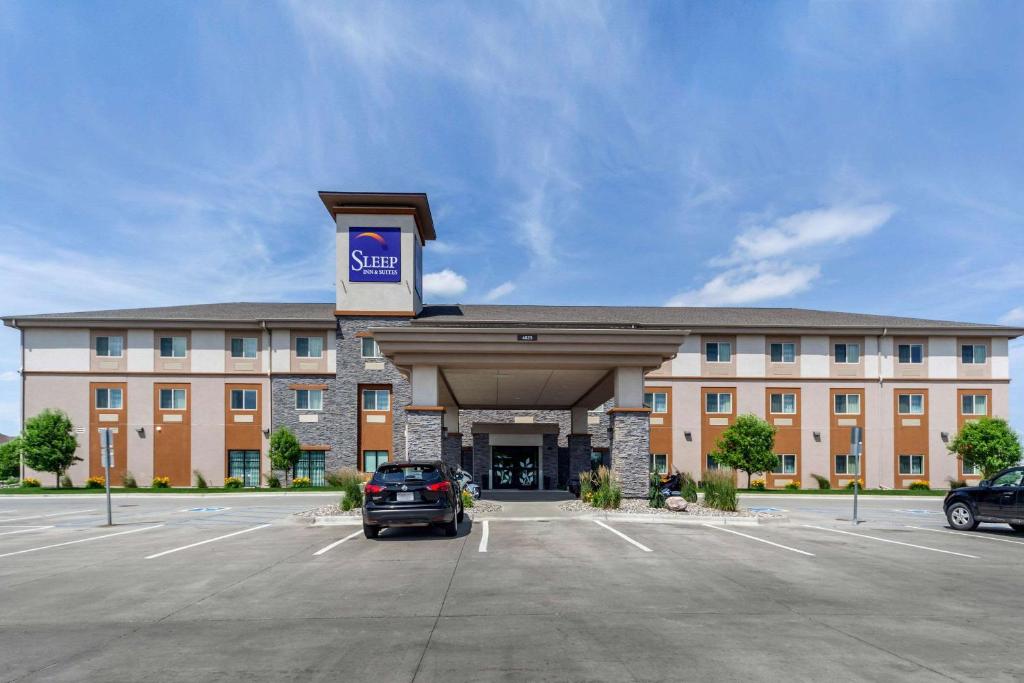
376, 399
109, 399
111, 347
309, 399
243, 347
718, 403
910, 353
370, 348
309, 347
783, 403
784, 352
974, 404
657, 401
847, 353
847, 404
172, 399
973, 353
243, 399
911, 404
173, 347
718, 352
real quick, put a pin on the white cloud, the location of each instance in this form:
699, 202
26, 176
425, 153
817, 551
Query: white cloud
749, 284
446, 283
1015, 316
504, 289
9, 376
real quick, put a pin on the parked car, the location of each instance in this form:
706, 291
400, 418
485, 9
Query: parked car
412, 494
999, 500
467, 483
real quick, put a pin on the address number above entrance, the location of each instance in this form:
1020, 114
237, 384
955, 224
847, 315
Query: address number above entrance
527, 337
374, 254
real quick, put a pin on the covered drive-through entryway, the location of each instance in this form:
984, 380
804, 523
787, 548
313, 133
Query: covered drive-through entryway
515, 368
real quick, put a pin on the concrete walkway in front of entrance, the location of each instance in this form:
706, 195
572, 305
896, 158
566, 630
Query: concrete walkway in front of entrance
527, 503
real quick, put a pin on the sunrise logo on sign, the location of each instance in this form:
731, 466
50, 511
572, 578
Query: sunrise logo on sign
374, 254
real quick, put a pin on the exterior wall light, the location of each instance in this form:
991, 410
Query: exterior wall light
945, 437
817, 436
141, 431
266, 432
688, 435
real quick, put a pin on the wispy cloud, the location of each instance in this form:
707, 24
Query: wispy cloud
502, 290
1015, 316
446, 284
750, 284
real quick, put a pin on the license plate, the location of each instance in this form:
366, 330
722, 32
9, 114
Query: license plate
406, 496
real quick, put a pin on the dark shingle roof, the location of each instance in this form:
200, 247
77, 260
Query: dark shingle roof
230, 312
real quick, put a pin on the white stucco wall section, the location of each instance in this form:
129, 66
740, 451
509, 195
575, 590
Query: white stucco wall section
57, 349
208, 350
140, 353
687, 361
750, 359
942, 357
871, 363
885, 358
814, 356
1000, 358
280, 352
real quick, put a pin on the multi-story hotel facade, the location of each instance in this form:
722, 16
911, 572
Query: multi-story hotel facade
522, 396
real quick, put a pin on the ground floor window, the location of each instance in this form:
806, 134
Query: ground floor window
245, 465
596, 459
970, 470
374, 459
911, 464
311, 464
787, 464
659, 463
710, 463
847, 464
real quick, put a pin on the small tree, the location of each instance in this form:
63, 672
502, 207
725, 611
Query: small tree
49, 443
284, 450
988, 444
10, 458
747, 444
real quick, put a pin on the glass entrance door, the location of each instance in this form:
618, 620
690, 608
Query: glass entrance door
515, 467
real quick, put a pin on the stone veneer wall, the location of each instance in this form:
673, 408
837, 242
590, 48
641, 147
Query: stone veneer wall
424, 430
630, 448
549, 460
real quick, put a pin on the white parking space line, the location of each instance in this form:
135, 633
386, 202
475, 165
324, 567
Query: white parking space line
889, 540
336, 543
209, 540
759, 540
484, 536
81, 540
623, 536
26, 530
971, 535
55, 514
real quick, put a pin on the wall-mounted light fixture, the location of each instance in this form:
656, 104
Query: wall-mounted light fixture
141, 431
817, 436
266, 432
688, 436
945, 437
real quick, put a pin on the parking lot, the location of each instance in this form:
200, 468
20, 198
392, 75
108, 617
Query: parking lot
234, 587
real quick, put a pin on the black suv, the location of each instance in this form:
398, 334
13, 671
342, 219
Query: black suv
412, 494
1000, 500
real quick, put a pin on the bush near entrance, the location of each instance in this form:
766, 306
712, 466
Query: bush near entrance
988, 444
748, 444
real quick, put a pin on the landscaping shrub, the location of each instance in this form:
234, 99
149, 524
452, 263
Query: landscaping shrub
860, 484
95, 483
128, 480
720, 489
757, 485
467, 500
687, 487
607, 493
353, 494
920, 485
301, 483
66, 483
229, 483
161, 482
655, 498
200, 480
823, 482
30, 483
792, 486
956, 483
586, 486
339, 478
273, 481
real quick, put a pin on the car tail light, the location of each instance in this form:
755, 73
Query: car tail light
439, 486
374, 488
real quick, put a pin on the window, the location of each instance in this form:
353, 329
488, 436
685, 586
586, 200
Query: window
374, 459
243, 399
783, 403
243, 347
847, 404
376, 399
245, 465
847, 353
911, 404
309, 399
659, 463
172, 347
783, 352
911, 353
311, 464
973, 354
787, 464
110, 347
974, 404
172, 399
970, 470
848, 464
370, 348
656, 401
309, 347
108, 399
710, 463
718, 352
911, 464
718, 403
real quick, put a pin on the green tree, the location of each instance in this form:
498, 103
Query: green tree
988, 444
747, 444
50, 443
284, 450
10, 458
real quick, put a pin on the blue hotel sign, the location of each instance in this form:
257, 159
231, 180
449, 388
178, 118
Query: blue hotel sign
375, 254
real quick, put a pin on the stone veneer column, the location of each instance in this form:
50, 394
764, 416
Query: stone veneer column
631, 443
452, 453
481, 456
549, 464
423, 433
579, 454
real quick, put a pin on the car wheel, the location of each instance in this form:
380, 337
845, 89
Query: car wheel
370, 531
452, 528
1017, 527
960, 517
462, 514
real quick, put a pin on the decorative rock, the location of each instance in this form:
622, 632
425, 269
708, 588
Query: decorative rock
676, 503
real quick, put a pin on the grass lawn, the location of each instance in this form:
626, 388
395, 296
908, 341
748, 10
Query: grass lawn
849, 492
114, 490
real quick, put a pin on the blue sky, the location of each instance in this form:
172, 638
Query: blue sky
851, 156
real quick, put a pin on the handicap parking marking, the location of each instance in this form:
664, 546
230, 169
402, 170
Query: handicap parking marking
918, 511
205, 509
759, 540
25, 530
209, 540
81, 540
768, 510
623, 536
889, 540
336, 543
987, 537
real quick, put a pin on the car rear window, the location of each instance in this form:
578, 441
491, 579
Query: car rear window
398, 473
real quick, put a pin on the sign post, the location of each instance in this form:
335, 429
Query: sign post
856, 444
107, 455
